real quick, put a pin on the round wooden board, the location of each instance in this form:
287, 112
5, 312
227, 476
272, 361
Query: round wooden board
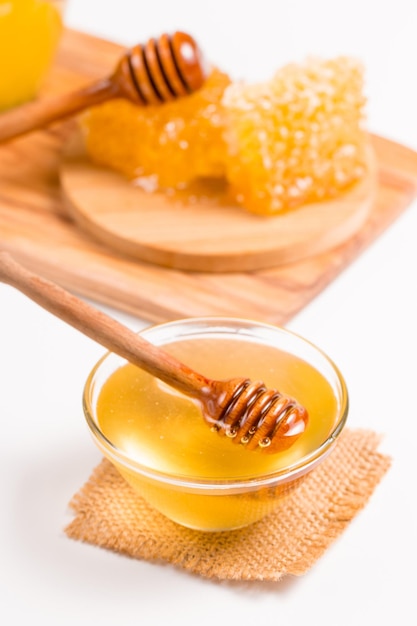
205, 235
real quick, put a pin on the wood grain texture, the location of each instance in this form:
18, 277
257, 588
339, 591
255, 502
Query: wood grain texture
36, 229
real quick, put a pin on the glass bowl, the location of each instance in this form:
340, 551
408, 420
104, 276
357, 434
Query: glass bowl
160, 443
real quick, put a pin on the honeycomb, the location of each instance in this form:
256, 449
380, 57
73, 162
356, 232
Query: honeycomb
297, 138
294, 139
161, 147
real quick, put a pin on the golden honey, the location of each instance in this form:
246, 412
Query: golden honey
29, 34
168, 453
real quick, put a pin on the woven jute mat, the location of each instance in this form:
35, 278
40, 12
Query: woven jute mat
289, 541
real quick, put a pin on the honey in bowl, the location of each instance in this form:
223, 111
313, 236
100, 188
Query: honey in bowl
30, 31
160, 443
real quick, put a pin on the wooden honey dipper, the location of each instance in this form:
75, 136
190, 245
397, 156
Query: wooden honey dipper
245, 411
159, 71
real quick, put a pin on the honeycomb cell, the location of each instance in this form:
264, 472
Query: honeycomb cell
297, 138
161, 147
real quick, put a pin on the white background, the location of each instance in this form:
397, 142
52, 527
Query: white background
366, 321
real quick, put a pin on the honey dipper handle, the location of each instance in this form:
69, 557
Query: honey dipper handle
101, 328
40, 113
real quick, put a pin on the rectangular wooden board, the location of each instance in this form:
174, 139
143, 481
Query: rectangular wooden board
35, 228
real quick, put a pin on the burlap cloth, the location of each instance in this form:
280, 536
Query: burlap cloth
289, 541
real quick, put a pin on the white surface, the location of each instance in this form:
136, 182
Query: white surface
366, 321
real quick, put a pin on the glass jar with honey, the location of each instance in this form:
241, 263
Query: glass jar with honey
30, 32
160, 443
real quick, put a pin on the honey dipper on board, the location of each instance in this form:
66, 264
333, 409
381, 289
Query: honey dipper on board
159, 71
245, 411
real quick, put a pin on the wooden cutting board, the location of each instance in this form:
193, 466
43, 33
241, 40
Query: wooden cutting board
37, 229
